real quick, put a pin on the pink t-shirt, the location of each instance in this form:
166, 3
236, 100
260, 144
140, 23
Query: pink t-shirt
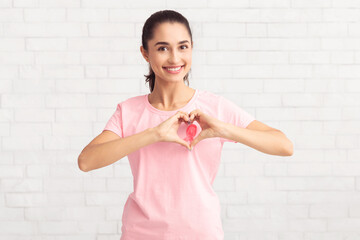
173, 198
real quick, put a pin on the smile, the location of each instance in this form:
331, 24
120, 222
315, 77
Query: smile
174, 70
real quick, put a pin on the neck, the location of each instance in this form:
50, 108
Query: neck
171, 96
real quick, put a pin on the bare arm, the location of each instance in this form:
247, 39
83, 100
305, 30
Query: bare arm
271, 141
103, 154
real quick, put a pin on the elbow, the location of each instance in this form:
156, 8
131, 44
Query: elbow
289, 149
82, 165
286, 147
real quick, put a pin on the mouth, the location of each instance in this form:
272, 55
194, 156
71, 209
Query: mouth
174, 69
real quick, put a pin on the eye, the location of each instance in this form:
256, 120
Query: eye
159, 49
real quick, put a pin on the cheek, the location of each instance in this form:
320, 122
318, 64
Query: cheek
156, 63
157, 59
188, 60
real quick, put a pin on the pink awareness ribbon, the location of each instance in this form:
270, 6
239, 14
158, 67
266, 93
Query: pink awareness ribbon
190, 132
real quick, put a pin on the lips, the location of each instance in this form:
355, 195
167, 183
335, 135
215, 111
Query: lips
180, 68
174, 66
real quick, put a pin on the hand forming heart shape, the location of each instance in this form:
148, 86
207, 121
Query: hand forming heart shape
210, 127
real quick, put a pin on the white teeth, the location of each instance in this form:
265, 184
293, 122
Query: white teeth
173, 69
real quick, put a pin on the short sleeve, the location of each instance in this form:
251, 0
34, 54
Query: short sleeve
231, 113
115, 122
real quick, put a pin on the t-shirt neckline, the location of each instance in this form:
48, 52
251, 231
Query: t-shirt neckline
161, 112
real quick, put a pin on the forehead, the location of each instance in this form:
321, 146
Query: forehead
171, 33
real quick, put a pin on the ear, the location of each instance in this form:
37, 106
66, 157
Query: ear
144, 53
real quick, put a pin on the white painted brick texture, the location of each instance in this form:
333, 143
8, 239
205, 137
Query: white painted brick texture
293, 64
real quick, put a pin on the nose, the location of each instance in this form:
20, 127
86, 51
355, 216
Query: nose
174, 57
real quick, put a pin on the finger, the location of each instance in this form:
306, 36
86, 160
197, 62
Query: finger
193, 117
183, 116
195, 141
179, 113
194, 114
184, 143
177, 116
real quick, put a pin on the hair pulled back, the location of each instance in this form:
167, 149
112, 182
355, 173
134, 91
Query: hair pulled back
148, 33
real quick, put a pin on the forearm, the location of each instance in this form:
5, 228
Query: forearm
272, 142
104, 154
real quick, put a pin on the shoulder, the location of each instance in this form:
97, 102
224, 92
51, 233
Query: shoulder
223, 104
132, 101
209, 97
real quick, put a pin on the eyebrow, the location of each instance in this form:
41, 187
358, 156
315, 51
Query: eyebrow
166, 43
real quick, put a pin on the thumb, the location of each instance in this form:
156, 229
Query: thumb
183, 142
195, 141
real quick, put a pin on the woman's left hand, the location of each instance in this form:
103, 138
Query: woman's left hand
210, 126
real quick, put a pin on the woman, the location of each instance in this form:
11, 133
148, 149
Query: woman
173, 197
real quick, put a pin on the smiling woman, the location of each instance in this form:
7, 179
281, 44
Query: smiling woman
162, 51
173, 138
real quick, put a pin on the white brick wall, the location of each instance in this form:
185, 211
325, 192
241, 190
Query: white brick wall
293, 64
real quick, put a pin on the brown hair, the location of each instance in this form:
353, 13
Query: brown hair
148, 33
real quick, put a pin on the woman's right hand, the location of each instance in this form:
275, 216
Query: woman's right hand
167, 130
